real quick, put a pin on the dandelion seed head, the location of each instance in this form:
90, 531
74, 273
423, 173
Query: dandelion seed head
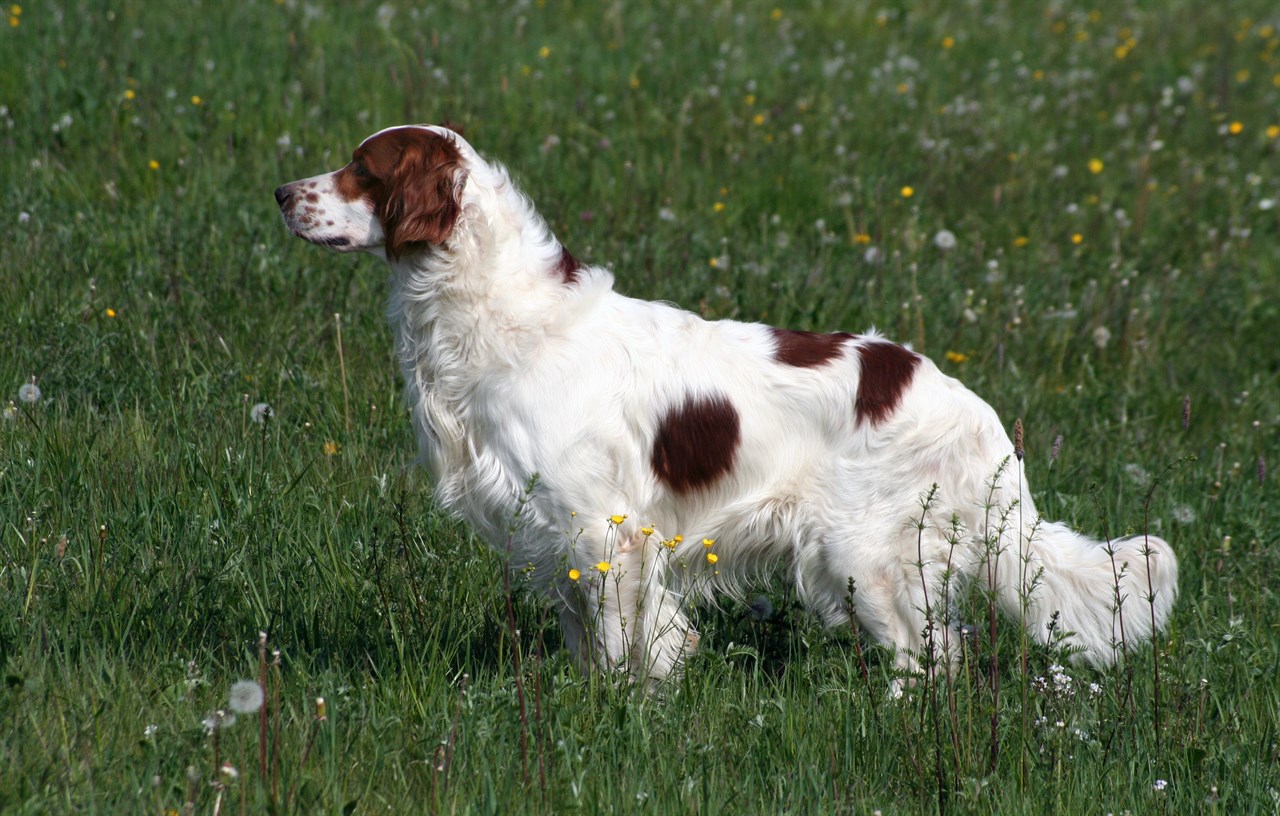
245, 697
760, 608
30, 393
945, 240
261, 413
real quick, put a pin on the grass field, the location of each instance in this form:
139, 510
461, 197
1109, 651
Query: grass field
1108, 173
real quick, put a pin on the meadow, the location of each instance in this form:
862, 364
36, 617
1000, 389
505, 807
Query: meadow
1071, 206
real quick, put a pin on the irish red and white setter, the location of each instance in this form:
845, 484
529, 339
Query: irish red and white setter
672, 457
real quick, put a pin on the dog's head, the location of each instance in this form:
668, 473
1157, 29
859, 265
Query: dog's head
401, 192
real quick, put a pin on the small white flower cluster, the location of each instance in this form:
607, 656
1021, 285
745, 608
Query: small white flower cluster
1056, 683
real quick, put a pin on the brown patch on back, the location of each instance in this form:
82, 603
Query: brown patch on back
804, 349
887, 369
410, 176
696, 443
567, 267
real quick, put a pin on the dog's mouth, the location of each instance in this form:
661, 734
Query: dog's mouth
338, 242
334, 241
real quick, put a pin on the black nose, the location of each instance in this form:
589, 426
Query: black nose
282, 194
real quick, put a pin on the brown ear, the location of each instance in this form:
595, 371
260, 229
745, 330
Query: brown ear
422, 196
454, 126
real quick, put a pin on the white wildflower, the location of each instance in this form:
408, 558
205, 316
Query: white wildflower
261, 413
30, 393
945, 240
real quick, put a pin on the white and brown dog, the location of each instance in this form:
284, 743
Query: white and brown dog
675, 457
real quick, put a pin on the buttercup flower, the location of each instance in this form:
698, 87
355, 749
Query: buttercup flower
616, 519
574, 575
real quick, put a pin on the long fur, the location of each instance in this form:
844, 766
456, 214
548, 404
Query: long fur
836, 457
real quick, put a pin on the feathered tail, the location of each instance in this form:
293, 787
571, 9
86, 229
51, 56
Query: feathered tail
1108, 596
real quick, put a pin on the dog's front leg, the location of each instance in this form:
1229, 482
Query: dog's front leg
617, 611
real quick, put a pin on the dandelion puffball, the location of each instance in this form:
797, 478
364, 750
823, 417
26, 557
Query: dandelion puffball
30, 393
261, 413
246, 696
945, 240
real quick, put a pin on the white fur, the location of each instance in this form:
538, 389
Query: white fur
513, 374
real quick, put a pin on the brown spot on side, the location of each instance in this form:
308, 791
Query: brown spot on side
696, 443
887, 369
313, 197
804, 349
412, 178
567, 267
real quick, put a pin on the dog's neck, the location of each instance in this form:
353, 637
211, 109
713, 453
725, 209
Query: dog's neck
486, 301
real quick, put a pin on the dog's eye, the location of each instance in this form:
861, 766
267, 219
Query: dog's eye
360, 170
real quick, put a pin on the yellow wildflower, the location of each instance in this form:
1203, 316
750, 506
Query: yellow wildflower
1273, 131
775, 15
544, 52
708, 542
718, 206
129, 93
603, 566
861, 238
1095, 166
574, 575
646, 531
948, 42
957, 356
635, 82
758, 119
196, 100
1021, 241
908, 191
712, 558
331, 448
1235, 128
1077, 238
111, 312
153, 164
617, 519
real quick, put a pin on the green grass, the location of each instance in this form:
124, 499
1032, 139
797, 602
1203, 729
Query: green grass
150, 530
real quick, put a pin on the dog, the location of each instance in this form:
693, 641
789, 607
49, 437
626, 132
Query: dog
632, 457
